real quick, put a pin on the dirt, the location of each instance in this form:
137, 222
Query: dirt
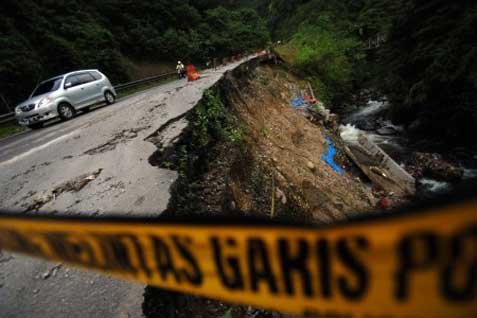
275, 171
289, 144
159, 303
271, 168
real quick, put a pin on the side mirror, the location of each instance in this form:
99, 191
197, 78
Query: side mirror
68, 85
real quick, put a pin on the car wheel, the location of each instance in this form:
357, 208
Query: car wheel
66, 111
109, 97
36, 126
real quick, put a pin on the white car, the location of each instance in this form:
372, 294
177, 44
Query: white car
63, 95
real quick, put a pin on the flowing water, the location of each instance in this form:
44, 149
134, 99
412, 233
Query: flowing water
391, 139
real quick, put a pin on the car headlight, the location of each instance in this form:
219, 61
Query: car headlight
18, 111
44, 101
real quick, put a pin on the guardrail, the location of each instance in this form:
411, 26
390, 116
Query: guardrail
10, 117
6, 118
144, 81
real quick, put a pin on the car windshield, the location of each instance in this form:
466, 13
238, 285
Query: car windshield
47, 87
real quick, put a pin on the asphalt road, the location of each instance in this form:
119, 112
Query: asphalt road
44, 172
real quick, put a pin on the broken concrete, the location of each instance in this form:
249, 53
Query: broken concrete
74, 185
106, 138
380, 168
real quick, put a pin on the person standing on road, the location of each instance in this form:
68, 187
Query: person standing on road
180, 68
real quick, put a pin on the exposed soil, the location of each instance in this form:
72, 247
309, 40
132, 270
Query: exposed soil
271, 168
275, 171
292, 146
164, 304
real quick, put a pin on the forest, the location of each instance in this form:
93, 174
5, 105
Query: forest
44, 38
425, 65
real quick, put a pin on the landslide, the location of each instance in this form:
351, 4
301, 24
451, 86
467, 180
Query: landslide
244, 151
247, 152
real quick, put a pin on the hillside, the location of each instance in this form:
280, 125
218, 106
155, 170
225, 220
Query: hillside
425, 65
39, 39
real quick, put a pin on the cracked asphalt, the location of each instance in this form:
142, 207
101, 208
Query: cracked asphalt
96, 164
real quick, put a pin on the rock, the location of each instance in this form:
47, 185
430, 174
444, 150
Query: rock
415, 126
281, 196
387, 131
46, 275
367, 125
311, 166
435, 167
333, 122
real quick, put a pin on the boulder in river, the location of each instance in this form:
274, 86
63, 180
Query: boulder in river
435, 167
365, 124
387, 131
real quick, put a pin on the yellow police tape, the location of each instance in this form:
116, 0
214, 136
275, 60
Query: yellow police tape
422, 265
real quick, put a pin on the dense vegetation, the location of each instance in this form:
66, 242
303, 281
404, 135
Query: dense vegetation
43, 38
325, 40
431, 68
426, 67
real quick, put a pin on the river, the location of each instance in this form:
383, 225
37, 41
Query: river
370, 120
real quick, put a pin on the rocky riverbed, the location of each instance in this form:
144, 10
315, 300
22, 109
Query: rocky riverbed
437, 167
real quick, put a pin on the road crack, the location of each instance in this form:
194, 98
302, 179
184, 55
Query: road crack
123, 136
74, 185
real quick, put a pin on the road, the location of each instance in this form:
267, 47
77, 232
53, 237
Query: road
94, 165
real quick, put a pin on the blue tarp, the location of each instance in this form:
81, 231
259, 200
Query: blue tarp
329, 157
297, 102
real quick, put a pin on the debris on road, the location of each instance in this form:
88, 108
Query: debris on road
75, 185
5, 259
52, 271
78, 183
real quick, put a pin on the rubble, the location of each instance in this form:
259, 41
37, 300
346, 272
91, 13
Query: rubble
435, 167
74, 185
380, 167
52, 271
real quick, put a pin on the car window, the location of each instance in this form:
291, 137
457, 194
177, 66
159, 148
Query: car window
73, 79
96, 75
84, 78
47, 87
79, 79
